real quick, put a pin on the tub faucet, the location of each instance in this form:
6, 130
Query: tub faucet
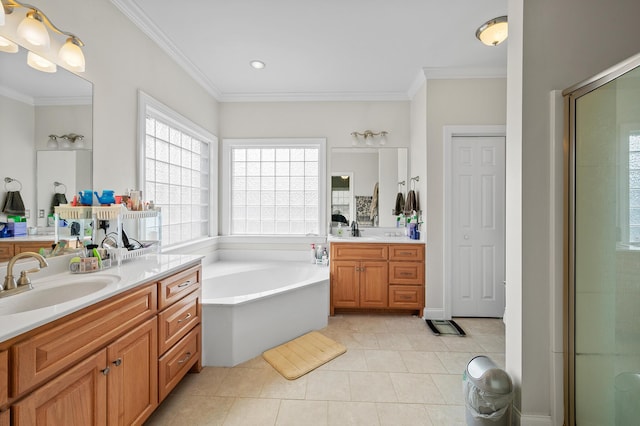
23, 283
355, 232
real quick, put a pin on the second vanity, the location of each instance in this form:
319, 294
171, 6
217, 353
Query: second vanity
108, 357
384, 274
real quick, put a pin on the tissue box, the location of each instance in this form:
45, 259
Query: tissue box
17, 229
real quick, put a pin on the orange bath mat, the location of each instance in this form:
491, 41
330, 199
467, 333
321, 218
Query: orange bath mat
303, 354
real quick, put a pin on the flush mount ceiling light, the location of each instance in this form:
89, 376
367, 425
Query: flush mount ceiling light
493, 32
33, 30
257, 64
368, 137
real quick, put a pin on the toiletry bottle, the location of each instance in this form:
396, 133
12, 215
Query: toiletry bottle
319, 253
313, 253
325, 257
340, 229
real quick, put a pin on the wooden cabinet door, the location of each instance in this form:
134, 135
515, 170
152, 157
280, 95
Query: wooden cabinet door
133, 375
374, 288
345, 284
76, 397
5, 418
4, 377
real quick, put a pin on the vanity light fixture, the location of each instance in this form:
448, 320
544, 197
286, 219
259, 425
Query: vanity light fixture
257, 64
7, 45
494, 31
368, 137
33, 30
66, 140
39, 63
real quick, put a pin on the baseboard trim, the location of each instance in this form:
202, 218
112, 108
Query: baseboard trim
530, 420
434, 314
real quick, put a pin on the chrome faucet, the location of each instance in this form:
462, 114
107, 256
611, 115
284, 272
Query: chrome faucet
24, 283
355, 232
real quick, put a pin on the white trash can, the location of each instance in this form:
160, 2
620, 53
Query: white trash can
488, 392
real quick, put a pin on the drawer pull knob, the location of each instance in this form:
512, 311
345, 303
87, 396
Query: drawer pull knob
117, 362
185, 318
106, 371
185, 359
184, 284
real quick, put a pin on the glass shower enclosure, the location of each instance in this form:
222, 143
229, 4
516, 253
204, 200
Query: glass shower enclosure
602, 311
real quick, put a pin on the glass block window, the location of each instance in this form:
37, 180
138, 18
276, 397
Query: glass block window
177, 174
276, 188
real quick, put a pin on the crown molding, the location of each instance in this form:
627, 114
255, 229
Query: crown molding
139, 19
417, 84
314, 97
461, 73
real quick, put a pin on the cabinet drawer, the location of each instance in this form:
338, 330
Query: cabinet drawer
406, 273
34, 246
406, 296
358, 251
176, 321
408, 252
177, 361
47, 353
177, 286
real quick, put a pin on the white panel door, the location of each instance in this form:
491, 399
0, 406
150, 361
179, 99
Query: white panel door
478, 228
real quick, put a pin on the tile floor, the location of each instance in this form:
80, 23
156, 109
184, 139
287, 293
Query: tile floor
395, 372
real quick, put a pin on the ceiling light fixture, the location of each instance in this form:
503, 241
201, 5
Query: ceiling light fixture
494, 31
257, 64
368, 136
33, 30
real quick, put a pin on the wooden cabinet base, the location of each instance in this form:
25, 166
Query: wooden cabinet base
377, 277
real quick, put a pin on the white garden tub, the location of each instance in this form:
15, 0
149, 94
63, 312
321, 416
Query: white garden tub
248, 308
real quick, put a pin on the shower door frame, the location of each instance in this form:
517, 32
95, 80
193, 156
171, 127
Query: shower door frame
571, 95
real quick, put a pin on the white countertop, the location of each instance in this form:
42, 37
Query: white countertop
129, 274
374, 238
27, 238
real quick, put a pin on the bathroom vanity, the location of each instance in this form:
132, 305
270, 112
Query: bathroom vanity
106, 361
9, 247
377, 276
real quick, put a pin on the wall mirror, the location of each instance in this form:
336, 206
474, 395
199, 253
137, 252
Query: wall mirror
34, 105
354, 175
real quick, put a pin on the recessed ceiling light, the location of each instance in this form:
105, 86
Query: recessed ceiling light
257, 64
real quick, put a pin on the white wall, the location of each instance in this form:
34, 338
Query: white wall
120, 60
555, 44
451, 102
331, 120
17, 150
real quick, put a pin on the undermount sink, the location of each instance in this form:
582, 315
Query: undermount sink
48, 293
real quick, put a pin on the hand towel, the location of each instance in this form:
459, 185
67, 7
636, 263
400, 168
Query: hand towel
373, 212
412, 203
13, 204
58, 198
399, 208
